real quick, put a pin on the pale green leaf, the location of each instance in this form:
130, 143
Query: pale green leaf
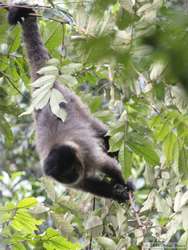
39, 209
55, 100
177, 201
44, 80
162, 205
28, 111
139, 236
185, 218
53, 61
68, 80
149, 203
173, 226
183, 241
41, 97
71, 68
184, 199
156, 70
92, 222
107, 243
48, 70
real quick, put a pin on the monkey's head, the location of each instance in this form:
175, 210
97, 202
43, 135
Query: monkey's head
64, 164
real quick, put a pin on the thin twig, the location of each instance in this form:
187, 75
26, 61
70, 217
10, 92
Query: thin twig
140, 224
91, 237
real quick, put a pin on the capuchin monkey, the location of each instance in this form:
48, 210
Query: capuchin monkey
73, 151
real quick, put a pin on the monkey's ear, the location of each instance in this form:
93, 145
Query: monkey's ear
16, 14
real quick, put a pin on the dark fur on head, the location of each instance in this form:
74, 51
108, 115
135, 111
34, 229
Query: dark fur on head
17, 14
63, 164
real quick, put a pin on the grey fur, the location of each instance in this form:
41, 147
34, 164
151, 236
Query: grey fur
80, 127
80, 131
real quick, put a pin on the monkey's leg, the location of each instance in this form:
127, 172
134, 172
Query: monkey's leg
105, 189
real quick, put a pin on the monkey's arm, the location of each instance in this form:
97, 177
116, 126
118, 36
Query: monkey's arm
105, 189
101, 131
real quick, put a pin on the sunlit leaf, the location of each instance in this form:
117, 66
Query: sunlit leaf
56, 99
48, 70
27, 202
44, 80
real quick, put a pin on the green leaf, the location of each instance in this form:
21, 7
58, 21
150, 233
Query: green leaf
183, 162
9, 109
170, 147
116, 141
146, 150
24, 222
6, 130
125, 159
163, 131
27, 202
16, 41
124, 19
53, 240
18, 246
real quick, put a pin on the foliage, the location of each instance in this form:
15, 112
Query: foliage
128, 61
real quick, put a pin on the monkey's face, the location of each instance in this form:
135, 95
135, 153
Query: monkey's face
63, 164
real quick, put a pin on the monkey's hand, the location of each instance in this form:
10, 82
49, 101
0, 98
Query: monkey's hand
16, 14
121, 192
